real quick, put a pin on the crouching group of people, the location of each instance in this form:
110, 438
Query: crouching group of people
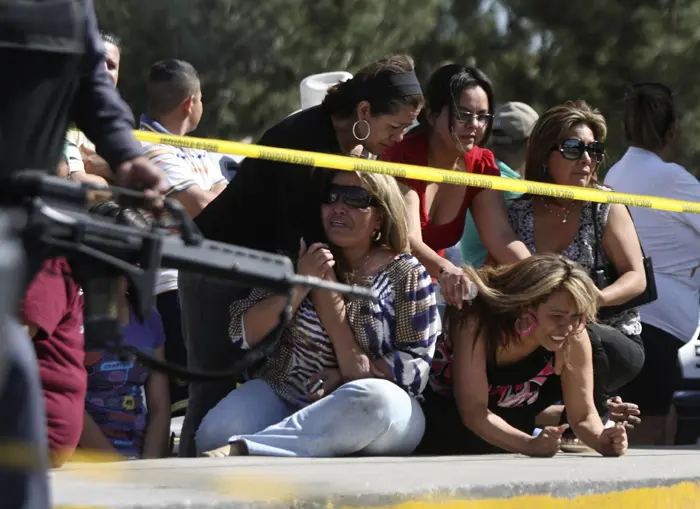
391, 378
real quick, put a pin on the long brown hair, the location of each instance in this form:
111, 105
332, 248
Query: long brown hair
505, 292
551, 129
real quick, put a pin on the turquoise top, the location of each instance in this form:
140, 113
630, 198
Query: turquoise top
473, 251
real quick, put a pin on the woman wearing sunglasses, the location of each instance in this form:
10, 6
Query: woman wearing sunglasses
307, 399
269, 205
455, 125
520, 346
567, 148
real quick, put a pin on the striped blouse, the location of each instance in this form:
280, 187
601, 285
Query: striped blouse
401, 327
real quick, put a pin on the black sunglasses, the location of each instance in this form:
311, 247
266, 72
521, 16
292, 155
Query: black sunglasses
354, 196
573, 149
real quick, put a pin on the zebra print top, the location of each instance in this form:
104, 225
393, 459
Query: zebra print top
401, 328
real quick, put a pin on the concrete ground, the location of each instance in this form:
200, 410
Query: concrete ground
243, 482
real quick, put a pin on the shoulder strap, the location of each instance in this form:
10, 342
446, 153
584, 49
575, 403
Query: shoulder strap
596, 254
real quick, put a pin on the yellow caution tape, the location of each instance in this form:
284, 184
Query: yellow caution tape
410, 171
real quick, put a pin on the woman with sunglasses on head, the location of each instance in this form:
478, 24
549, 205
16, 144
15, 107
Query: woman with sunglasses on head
519, 347
455, 125
672, 239
307, 399
567, 147
269, 205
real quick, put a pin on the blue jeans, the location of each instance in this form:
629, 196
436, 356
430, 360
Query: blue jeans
367, 417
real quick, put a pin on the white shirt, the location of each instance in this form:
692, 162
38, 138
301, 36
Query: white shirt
670, 239
183, 168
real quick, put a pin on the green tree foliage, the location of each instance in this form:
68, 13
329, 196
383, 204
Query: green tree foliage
252, 55
592, 49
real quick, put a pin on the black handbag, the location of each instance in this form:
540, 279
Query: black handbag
605, 274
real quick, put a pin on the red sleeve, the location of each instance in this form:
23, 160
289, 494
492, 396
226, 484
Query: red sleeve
412, 149
481, 161
45, 302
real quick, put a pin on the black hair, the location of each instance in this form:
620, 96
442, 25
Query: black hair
369, 84
110, 38
125, 217
169, 83
650, 115
445, 87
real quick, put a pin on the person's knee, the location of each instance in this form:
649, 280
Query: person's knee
397, 418
212, 432
382, 399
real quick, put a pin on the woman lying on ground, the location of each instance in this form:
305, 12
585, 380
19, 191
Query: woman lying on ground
346, 375
521, 346
455, 125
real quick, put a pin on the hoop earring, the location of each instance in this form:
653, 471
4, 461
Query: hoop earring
520, 327
354, 129
377, 236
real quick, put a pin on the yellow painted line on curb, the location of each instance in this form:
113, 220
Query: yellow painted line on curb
680, 496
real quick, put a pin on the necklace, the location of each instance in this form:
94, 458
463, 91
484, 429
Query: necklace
361, 269
564, 215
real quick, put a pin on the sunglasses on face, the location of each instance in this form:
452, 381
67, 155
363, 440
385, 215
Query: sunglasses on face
573, 149
354, 196
467, 117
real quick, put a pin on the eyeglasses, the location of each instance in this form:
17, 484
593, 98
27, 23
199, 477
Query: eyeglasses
573, 149
354, 196
467, 117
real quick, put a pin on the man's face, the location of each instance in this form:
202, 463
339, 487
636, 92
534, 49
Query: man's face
197, 108
112, 57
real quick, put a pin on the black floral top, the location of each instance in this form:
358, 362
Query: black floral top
581, 250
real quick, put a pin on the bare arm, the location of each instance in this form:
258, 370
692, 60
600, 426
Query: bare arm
93, 439
622, 247
427, 256
194, 199
577, 387
157, 435
264, 316
87, 178
471, 390
352, 360
451, 278
491, 218
260, 318
95, 165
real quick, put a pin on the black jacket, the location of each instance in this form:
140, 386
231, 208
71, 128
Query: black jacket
52, 61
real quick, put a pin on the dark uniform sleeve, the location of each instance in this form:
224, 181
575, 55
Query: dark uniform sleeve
98, 110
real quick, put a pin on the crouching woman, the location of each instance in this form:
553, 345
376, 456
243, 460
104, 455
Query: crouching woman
521, 346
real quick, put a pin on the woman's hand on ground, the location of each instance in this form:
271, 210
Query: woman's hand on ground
548, 442
613, 441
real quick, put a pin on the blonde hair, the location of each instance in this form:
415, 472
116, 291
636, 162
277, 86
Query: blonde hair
394, 228
505, 292
552, 128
